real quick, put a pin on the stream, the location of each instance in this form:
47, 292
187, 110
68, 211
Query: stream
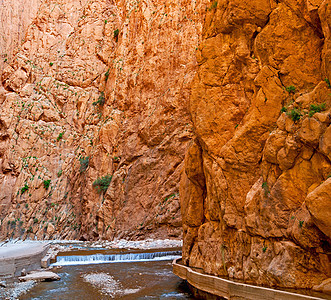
113, 274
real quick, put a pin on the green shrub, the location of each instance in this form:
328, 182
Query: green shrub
51, 64
264, 249
169, 197
294, 114
301, 224
84, 161
60, 136
59, 173
102, 184
290, 89
24, 188
284, 109
328, 82
213, 5
266, 188
101, 100
47, 183
35, 220
107, 74
314, 108
116, 33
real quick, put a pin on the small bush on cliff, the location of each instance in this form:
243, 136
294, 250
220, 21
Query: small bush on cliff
107, 74
314, 108
213, 5
266, 188
102, 184
116, 33
47, 183
290, 89
24, 188
60, 136
328, 82
294, 114
84, 161
101, 100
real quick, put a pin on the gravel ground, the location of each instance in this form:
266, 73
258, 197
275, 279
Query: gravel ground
15, 290
107, 284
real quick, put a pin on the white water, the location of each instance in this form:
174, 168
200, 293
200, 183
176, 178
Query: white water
115, 258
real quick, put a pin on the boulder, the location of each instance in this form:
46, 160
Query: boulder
40, 276
318, 203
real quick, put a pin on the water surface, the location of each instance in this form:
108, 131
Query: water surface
123, 276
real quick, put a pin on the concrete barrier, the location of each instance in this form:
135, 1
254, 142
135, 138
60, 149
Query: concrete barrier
16, 257
228, 289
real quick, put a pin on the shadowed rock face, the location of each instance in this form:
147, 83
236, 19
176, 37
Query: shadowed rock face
96, 88
255, 193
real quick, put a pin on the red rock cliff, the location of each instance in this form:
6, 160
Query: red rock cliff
255, 192
108, 89
96, 89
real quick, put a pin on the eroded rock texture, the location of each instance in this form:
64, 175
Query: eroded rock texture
97, 88
255, 191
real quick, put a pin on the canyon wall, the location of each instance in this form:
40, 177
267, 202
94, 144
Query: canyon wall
15, 18
115, 92
95, 89
256, 189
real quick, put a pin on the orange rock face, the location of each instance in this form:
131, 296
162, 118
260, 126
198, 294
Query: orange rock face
255, 191
96, 88
97, 104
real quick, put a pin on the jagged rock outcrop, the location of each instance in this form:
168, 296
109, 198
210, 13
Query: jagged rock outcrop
97, 89
255, 192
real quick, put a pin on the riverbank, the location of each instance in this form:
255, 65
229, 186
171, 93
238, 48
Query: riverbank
17, 257
14, 257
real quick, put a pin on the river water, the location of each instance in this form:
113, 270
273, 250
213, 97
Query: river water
113, 274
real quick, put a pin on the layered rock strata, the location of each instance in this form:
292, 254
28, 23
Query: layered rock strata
97, 89
255, 192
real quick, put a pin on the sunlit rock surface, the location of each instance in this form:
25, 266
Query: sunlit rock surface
92, 89
255, 192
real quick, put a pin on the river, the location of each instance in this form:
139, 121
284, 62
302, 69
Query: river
117, 274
